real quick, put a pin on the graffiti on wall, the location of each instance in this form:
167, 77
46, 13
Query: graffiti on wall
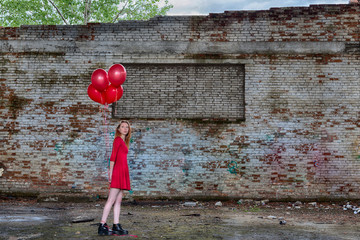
357, 148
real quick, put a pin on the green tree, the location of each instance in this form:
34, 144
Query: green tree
57, 12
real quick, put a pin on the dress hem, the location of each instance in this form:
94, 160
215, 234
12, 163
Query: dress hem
121, 188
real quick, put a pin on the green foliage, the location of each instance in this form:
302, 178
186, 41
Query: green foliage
14, 13
253, 209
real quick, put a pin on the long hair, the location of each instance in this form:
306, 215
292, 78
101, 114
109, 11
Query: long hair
127, 136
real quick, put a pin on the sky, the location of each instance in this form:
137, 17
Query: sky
204, 7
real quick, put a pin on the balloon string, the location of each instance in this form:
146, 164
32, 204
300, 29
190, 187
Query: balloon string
106, 141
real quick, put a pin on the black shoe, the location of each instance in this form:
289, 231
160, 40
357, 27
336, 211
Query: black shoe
117, 229
104, 230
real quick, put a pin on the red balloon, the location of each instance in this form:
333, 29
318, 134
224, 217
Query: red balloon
100, 80
96, 95
117, 74
120, 91
113, 94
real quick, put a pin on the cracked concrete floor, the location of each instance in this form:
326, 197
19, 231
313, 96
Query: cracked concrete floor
28, 219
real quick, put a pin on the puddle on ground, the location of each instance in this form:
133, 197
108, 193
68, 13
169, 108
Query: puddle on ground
18, 218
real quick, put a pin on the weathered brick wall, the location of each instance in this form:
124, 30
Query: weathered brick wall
183, 91
300, 137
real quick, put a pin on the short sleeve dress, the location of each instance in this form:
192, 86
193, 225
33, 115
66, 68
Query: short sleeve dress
120, 175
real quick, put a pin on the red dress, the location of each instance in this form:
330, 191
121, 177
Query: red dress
120, 175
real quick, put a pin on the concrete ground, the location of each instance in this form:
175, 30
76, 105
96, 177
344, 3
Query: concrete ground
29, 219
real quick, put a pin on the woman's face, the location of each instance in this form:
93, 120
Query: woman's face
124, 129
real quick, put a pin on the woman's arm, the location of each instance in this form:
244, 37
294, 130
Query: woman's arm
115, 149
111, 170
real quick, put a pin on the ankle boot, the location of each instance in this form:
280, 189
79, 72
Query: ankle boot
104, 230
117, 229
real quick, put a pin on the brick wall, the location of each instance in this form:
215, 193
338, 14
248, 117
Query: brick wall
183, 91
299, 137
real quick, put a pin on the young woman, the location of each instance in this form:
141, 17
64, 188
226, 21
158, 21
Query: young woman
119, 179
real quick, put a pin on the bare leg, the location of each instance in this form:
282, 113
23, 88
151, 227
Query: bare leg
117, 207
110, 201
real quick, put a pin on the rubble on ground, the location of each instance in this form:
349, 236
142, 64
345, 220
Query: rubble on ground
351, 207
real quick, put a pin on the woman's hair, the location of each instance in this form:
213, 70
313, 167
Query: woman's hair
128, 135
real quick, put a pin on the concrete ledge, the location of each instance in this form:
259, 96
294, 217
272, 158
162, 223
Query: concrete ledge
236, 198
170, 47
86, 197
66, 197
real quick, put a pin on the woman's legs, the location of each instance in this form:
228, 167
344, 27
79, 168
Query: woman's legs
113, 195
117, 206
